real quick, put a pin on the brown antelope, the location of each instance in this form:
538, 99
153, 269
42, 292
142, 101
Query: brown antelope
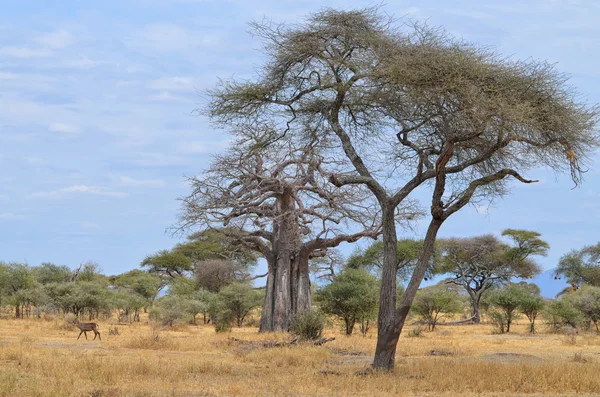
84, 327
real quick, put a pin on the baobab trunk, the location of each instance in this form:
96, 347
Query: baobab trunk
288, 287
288, 293
387, 340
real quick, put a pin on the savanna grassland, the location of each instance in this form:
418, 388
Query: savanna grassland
44, 358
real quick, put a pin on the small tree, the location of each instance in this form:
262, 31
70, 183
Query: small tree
352, 296
562, 312
531, 306
240, 299
587, 301
407, 254
580, 267
509, 300
432, 303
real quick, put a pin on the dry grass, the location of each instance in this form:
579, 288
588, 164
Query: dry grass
40, 358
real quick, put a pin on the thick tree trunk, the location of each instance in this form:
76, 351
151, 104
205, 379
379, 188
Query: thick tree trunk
288, 286
475, 300
288, 293
17, 311
387, 338
385, 350
349, 322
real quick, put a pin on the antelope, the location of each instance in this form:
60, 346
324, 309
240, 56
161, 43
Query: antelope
84, 327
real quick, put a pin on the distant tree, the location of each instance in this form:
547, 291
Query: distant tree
563, 312
432, 303
509, 299
18, 278
4, 288
531, 305
352, 296
479, 263
240, 299
580, 267
47, 273
587, 301
91, 272
168, 264
407, 255
169, 310
214, 274
142, 283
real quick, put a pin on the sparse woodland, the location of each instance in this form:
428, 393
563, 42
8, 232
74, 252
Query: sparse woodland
349, 115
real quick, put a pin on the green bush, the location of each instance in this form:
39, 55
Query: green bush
308, 325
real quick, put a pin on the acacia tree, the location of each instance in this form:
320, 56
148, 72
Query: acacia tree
479, 263
277, 201
580, 267
411, 107
408, 251
434, 302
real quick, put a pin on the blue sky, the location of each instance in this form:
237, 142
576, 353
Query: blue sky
97, 130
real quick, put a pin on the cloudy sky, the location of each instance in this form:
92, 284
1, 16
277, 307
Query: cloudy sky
97, 127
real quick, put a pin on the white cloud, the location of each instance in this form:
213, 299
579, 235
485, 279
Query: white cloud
132, 182
80, 63
176, 83
10, 216
56, 40
63, 128
88, 225
8, 76
169, 38
157, 159
166, 97
202, 146
77, 190
24, 52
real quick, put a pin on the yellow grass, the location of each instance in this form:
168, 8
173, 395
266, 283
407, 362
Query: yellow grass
41, 358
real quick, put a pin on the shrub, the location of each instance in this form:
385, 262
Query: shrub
434, 302
308, 325
499, 321
353, 296
563, 312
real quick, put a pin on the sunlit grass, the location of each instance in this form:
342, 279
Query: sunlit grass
42, 358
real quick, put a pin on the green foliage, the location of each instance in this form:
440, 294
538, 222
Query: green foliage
508, 300
432, 303
48, 273
353, 296
308, 325
240, 299
168, 263
168, 310
563, 312
482, 263
531, 305
587, 301
581, 267
216, 244
407, 250
142, 283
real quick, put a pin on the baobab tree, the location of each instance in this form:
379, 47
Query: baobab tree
411, 107
277, 201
